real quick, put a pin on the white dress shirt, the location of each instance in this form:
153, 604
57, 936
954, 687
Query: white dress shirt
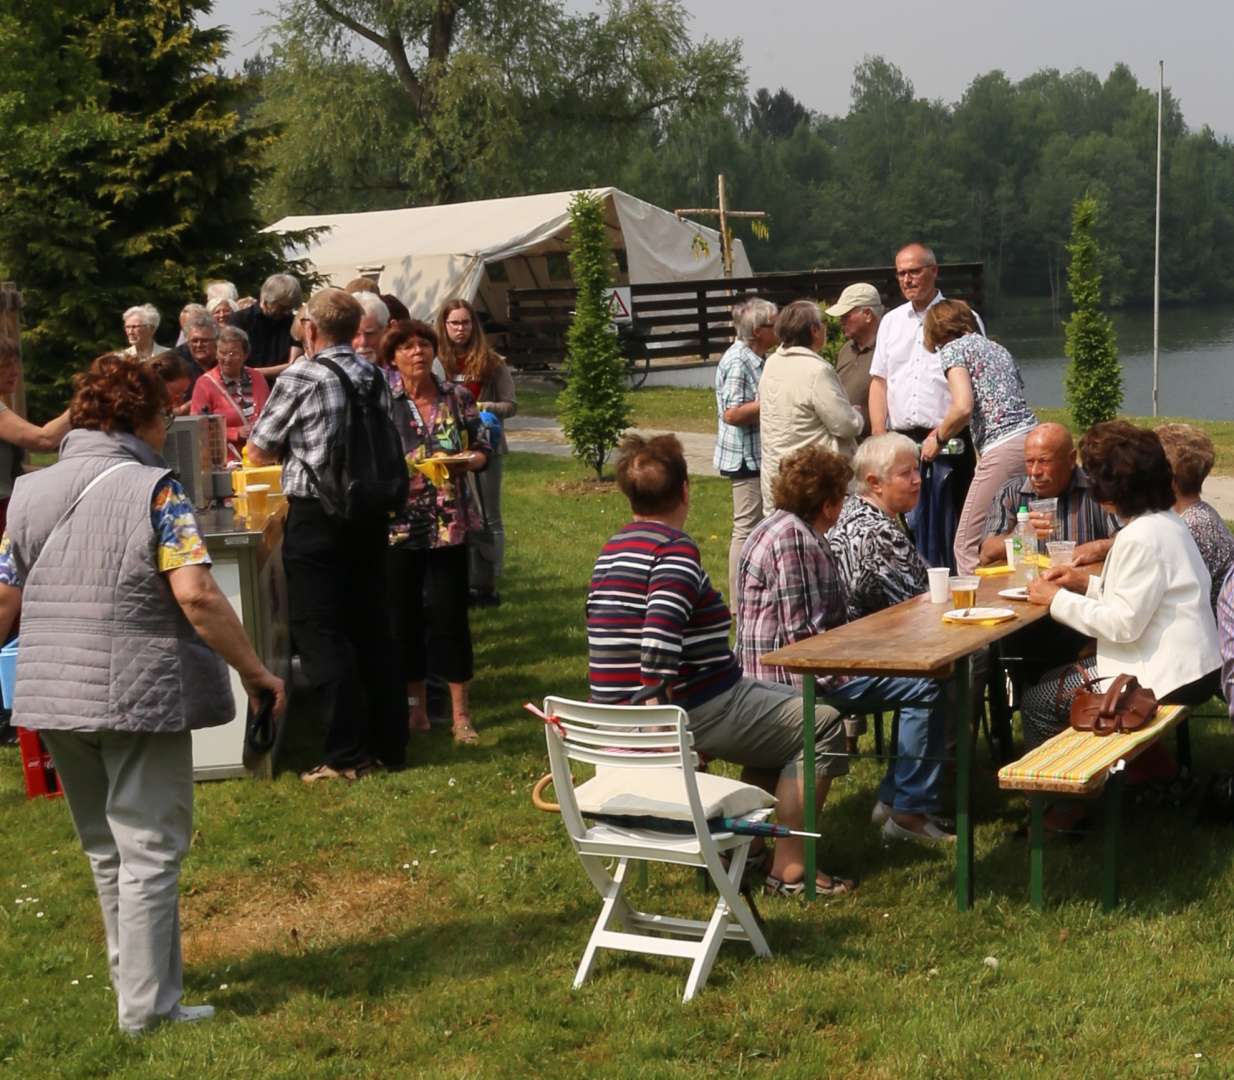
1150, 609
917, 391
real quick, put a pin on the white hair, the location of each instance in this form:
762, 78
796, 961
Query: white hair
221, 289
201, 322
147, 313
749, 316
213, 305
281, 290
234, 333
373, 305
877, 455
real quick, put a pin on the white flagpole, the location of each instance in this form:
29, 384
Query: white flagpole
1157, 245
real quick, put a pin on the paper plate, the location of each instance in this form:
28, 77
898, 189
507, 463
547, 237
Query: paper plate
1018, 593
981, 615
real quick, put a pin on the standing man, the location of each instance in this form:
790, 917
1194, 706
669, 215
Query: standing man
268, 324
860, 310
909, 394
373, 324
336, 580
738, 451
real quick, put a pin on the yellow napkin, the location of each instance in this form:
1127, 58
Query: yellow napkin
436, 472
978, 622
994, 571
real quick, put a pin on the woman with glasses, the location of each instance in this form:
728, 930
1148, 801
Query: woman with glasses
468, 358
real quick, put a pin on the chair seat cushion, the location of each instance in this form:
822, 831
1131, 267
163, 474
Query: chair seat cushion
662, 793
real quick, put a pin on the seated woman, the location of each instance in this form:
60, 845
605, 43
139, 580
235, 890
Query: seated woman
1150, 609
428, 539
987, 395
231, 389
789, 588
1191, 455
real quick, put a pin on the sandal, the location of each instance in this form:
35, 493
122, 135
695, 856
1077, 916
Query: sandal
326, 772
417, 718
826, 885
464, 733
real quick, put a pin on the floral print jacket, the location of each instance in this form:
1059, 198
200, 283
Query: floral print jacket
437, 515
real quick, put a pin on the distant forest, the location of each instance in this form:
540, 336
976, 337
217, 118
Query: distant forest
492, 109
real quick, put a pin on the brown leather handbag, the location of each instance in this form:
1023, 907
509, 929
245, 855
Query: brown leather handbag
1126, 706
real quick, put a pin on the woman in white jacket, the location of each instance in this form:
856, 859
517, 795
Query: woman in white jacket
1149, 610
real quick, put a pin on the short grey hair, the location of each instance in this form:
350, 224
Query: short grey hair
201, 322
190, 311
752, 314
373, 305
877, 455
213, 305
282, 290
147, 313
221, 290
930, 260
234, 333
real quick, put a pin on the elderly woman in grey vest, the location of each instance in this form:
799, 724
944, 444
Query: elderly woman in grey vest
123, 641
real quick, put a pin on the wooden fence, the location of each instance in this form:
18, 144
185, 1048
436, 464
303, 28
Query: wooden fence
692, 318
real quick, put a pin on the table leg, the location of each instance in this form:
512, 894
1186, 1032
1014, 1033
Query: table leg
1036, 851
809, 784
963, 786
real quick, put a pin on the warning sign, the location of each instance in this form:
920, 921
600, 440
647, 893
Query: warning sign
619, 304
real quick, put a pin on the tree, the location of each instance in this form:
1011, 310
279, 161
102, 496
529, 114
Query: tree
475, 98
1094, 377
127, 176
593, 407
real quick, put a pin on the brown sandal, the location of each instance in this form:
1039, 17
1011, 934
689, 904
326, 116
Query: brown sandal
464, 733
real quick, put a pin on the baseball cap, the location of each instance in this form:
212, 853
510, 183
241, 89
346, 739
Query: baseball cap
855, 296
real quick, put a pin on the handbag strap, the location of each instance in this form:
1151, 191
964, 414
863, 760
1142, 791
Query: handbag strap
1122, 684
81, 495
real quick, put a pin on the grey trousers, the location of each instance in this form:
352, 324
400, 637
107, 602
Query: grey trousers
747, 513
488, 546
131, 797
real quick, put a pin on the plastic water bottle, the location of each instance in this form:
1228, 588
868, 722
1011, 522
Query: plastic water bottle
1025, 544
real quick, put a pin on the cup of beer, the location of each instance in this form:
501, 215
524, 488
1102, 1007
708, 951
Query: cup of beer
963, 592
257, 497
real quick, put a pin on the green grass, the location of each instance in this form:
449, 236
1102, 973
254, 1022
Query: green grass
429, 922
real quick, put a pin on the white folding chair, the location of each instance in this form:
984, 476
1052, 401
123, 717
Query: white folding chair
645, 766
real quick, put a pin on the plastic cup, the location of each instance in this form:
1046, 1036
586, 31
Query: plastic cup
938, 576
1062, 552
963, 592
257, 498
1009, 547
1049, 507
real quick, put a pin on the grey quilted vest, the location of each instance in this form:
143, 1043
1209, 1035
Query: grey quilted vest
104, 645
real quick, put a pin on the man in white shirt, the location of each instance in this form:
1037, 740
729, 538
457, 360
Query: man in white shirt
909, 394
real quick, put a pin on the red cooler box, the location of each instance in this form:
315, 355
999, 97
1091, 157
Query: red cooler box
36, 764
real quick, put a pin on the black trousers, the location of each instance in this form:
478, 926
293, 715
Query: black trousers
432, 630
338, 609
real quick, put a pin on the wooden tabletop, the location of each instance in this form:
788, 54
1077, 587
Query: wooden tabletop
907, 639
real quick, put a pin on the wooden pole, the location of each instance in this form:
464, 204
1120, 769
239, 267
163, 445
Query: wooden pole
723, 213
726, 251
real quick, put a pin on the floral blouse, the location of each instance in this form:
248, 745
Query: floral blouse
1000, 408
878, 562
437, 514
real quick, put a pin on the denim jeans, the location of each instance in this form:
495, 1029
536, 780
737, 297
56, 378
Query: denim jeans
910, 786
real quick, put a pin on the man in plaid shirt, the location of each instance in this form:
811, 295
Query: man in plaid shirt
790, 589
738, 452
336, 583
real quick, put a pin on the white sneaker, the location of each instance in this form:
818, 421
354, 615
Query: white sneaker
190, 1014
931, 832
880, 813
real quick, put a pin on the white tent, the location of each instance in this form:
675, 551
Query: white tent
478, 250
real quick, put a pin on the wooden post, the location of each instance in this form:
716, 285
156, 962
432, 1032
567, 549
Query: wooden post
10, 329
723, 213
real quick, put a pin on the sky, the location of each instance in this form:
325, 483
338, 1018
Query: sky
811, 46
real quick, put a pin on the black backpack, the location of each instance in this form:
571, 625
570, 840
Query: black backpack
367, 474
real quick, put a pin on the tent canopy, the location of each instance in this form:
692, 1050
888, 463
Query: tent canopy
478, 250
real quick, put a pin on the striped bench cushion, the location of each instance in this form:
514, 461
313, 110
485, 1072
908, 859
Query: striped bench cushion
1076, 762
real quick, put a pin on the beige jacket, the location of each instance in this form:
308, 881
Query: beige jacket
802, 403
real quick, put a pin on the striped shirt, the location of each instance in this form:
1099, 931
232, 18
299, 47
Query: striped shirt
1078, 517
789, 589
653, 615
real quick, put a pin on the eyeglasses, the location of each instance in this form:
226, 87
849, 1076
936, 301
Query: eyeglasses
912, 271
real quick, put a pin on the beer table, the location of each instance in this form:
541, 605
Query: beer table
908, 639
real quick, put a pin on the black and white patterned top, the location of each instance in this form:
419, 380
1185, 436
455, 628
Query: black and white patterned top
1214, 540
877, 559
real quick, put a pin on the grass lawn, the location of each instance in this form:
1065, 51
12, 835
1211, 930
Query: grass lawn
429, 922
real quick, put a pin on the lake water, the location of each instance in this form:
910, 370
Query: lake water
1196, 358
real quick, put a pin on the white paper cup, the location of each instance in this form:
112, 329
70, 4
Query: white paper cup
257, 498
1009, 545
940, 584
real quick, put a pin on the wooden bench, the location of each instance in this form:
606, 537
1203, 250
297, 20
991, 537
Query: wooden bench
1079, 763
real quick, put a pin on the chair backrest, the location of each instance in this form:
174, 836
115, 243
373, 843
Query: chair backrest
622, 737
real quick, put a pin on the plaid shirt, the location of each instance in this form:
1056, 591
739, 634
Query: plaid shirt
737, 375
789, 589
1079, 516
306, 413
